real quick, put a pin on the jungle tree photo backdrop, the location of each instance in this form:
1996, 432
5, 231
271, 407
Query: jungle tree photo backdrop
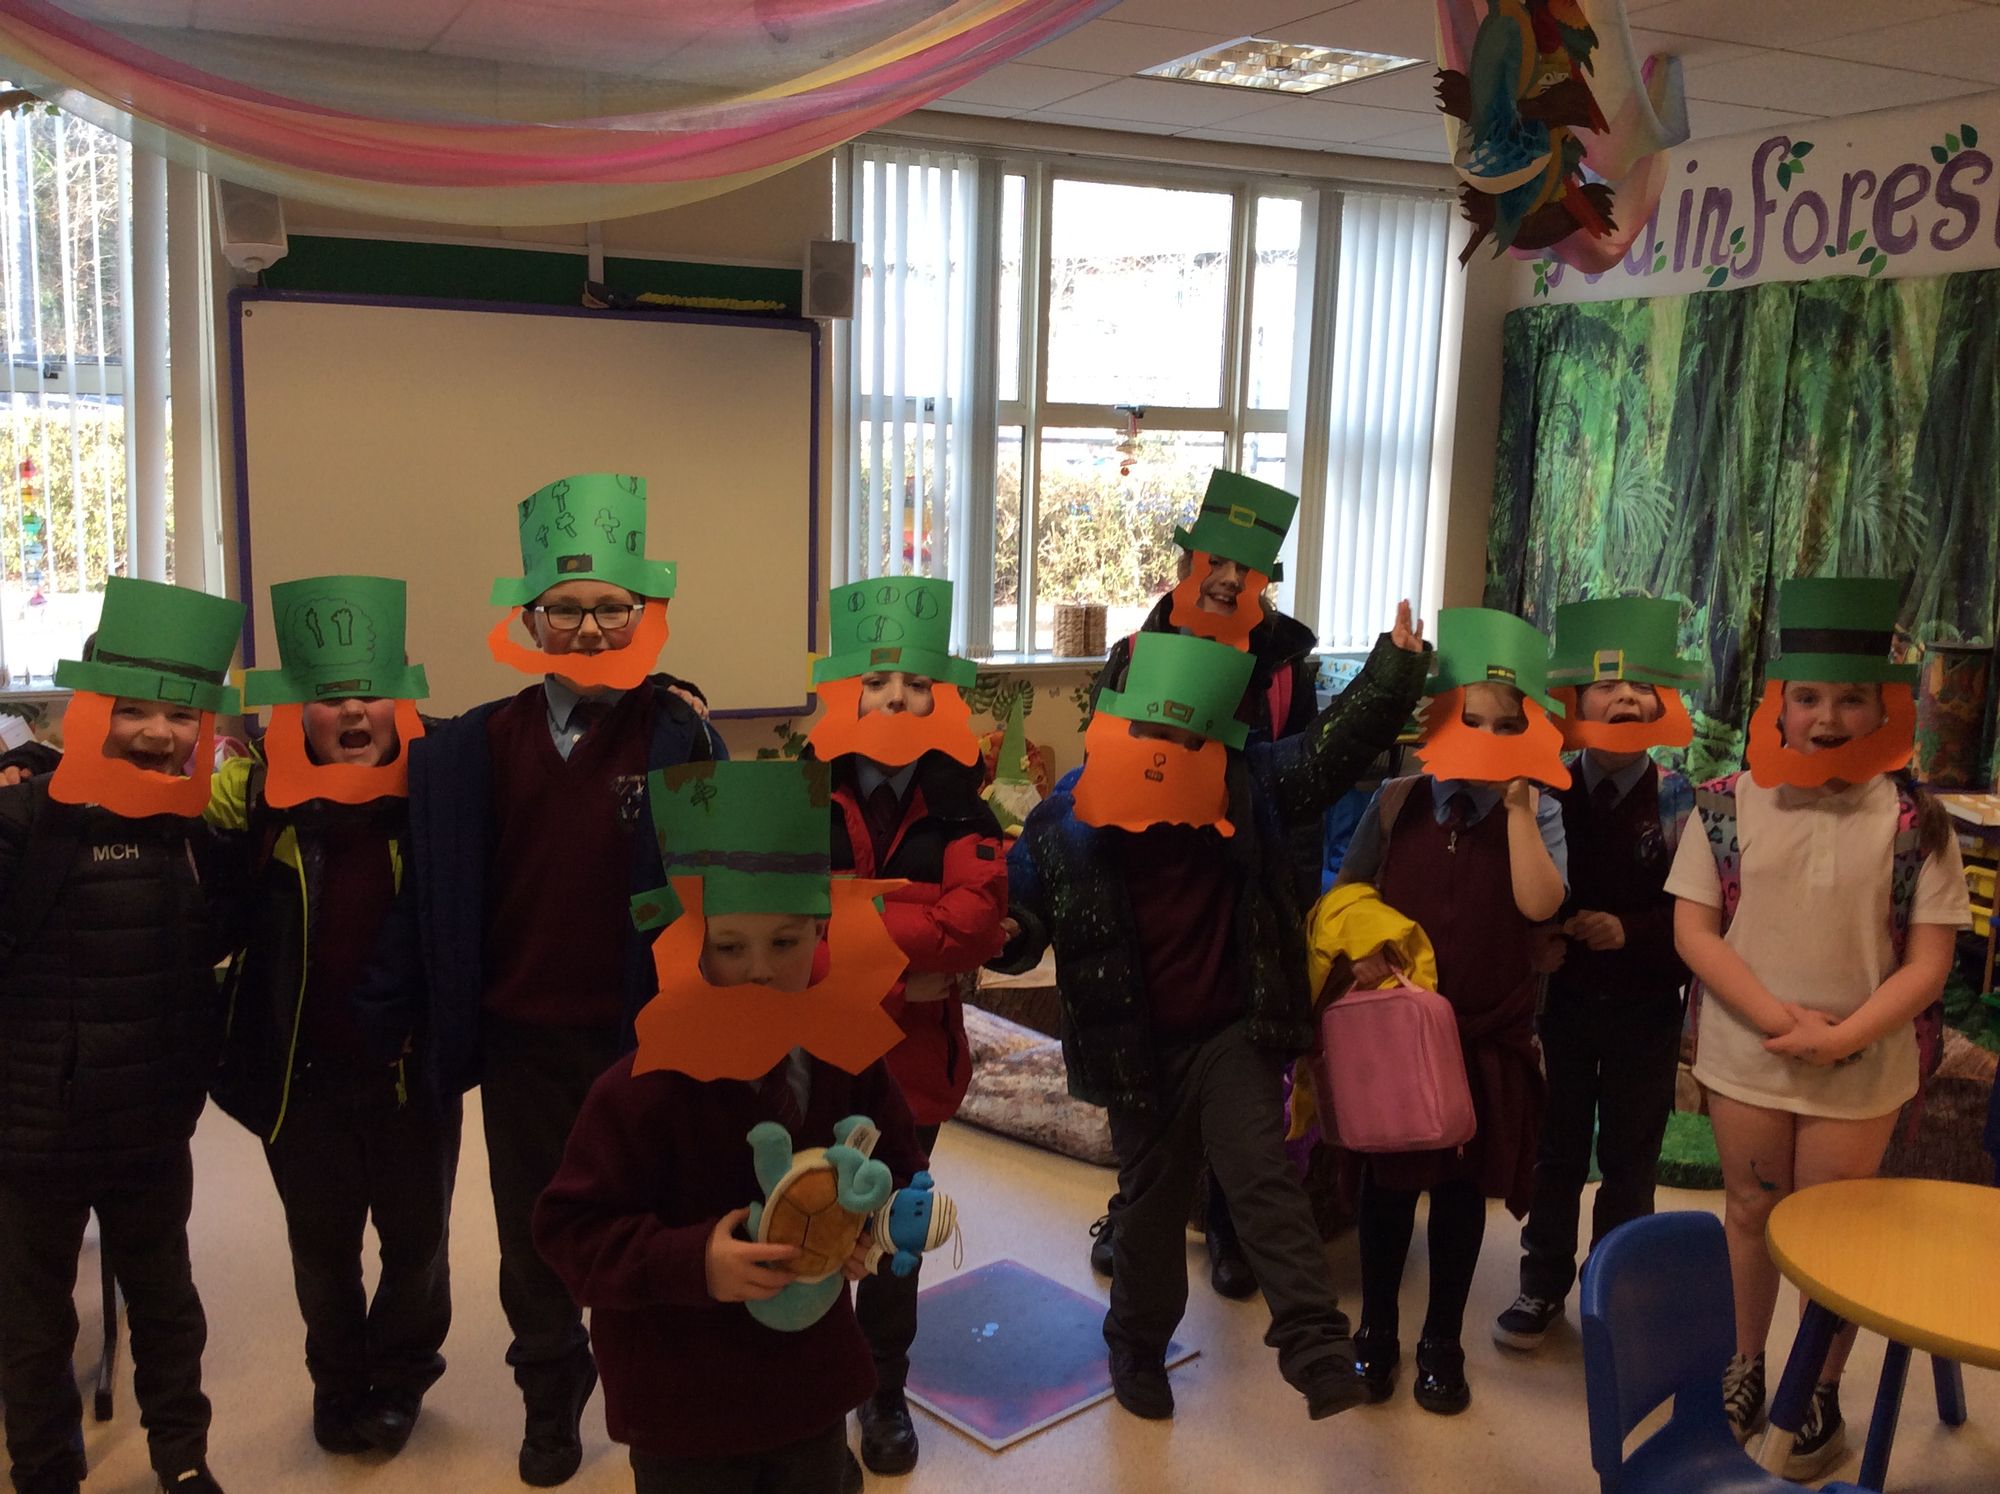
1707, 447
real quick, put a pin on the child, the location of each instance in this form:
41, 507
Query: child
1610, 1027
115, 909
905, 773
1158, 874
1476, 881
349, 1132
1850, 896
524, 818
1227, 560
643, 1221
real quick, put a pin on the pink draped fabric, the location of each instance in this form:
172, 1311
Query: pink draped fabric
689, 98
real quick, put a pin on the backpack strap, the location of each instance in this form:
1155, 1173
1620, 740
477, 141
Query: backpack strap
1906, 865
1676, 804
55, 834
1715, 806
1389, 801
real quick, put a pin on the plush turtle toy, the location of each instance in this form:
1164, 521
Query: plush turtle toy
819, 1200
915, 1220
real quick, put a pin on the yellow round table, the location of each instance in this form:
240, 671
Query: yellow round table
1914, 1260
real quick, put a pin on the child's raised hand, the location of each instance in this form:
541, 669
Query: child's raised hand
856, 1265
743, 1270
1407, 635
1521, 794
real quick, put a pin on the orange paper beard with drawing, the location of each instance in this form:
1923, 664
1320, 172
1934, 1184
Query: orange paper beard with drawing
611, 669
292, 777
87, 775
893, 738
1673, 728
1232, 628
741, 1032
1134, 783
1451, 749
1883, 750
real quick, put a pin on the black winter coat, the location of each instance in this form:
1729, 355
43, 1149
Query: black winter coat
109, 1006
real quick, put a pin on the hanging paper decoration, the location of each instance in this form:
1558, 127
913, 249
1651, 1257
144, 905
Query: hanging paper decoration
1555, 125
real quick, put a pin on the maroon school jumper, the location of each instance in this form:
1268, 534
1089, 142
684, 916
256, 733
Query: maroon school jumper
1457, 884
652, 1163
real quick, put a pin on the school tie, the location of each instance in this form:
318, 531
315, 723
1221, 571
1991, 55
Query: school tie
779, 1091
882, 813
1458, 810
585, 717
1604, 798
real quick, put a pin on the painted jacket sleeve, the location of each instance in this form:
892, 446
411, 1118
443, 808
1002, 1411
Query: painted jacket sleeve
1310, 771
1026, 903
595, 1223
954, 926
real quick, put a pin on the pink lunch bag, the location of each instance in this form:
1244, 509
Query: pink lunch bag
1393, 1068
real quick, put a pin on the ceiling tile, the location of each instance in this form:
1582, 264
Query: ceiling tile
1091, 122
1326, 122
1411, 89
1117, 48
1809, 85
1962, 45
1709, 119
1401, 28
1159, 101
1018, 85
1786, 23
1430, 141
1239, 17
989, 111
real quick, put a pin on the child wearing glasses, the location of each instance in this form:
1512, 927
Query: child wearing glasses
526, 849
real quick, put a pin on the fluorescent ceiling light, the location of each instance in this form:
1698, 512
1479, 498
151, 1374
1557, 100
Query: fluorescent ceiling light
1285, 67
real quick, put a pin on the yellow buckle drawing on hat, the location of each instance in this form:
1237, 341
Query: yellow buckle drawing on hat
1500, 672
1241, 517
1608, 664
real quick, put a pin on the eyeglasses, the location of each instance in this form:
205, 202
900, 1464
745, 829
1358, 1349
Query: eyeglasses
567, 617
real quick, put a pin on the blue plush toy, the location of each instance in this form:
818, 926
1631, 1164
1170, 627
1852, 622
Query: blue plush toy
915, 1219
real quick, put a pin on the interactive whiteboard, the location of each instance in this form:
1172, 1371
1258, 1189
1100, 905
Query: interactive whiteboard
394, 438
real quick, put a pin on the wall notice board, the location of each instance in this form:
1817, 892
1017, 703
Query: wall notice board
394, 438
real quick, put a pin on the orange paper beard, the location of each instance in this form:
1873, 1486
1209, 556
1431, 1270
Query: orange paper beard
1232, 628
613, 669
87, 776
1883, 750
1134, 783
292, 777
741, 1032
1451, 749
1673, 728
893, 738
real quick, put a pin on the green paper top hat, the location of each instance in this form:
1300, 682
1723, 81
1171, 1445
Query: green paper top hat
757, 833
1177, 679
892, 622
338, 636
1839, 629
1241, 519
1479, 646
589, 527
1621, 638
160, 642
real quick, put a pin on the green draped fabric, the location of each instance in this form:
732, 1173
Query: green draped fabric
1707, 447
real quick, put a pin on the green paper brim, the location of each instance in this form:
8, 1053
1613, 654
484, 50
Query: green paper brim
1116, 703
1684, 672
653, 579
269, 687
1842, 669
1234, 544
1542, 698
656, 909
933, 665
146, 684
724, 891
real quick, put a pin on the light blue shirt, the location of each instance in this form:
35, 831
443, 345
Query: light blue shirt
1363, 861
564, 729
870, 775
1624, 780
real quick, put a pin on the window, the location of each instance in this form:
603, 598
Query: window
75, 444
1137, 330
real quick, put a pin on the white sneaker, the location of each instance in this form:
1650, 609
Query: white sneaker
1743, 1395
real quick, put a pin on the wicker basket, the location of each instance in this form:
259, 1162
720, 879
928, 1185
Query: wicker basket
1079, 630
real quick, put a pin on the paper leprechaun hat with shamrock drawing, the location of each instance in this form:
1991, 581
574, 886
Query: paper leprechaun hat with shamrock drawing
1175, 679
160, 642
892, 622
338, 637
588, 527
1241, 519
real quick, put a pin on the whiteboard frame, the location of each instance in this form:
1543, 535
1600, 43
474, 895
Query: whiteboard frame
246, 296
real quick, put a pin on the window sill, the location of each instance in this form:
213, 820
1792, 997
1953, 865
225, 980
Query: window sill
1039, 664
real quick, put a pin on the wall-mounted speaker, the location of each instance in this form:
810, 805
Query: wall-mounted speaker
831, 286
251, 225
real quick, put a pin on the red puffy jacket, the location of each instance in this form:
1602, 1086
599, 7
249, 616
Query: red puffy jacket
946, 919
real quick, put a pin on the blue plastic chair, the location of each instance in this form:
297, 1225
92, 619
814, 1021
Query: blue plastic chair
1659, 1324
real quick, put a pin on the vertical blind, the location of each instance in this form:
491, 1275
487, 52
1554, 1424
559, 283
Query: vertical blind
909, 368
1387, 325
68, 447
